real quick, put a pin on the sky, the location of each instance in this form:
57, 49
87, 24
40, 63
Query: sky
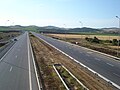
60, 13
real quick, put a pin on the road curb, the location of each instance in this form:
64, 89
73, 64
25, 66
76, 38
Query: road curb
39, 87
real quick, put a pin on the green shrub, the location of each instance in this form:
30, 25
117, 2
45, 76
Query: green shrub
96, 40
93, 40
115, 42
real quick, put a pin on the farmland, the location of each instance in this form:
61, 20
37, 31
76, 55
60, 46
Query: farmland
102, 37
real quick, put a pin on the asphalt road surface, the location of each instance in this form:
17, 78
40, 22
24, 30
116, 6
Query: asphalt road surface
104, 65
16, 68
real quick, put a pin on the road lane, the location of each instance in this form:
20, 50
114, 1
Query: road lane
95, 61
14, 67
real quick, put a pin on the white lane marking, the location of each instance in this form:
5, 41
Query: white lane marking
110, 64
88, 60
16, 56
97, 59
30, 83
80, 52
116, 74
87, 55
89, 52
10, 69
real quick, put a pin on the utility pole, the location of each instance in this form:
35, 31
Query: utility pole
118, 35
65, 31
81, 27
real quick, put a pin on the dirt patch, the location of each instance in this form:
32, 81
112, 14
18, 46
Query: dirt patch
46, 56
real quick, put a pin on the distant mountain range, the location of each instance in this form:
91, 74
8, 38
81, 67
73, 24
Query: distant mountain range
53, 29
111, 30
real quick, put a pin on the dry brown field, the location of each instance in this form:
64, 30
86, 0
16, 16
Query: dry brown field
101, 37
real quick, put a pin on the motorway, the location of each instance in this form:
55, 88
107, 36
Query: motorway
104, 65
16, 67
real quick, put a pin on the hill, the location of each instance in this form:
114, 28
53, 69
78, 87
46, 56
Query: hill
53, 29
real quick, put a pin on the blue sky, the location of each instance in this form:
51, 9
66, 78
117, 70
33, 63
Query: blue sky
91, 13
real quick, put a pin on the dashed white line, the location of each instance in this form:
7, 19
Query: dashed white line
80, 52
87, 55
116, 74
89, 52
10, 69
16, 56
97, 59
110, 64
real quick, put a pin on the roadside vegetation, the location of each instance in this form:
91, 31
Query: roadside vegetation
105, 44
113, 42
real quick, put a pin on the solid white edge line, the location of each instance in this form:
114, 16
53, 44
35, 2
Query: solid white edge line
110, 64
114, 84
75, 78
114, 57
10, 69
30, 83
9, 49
97, 52
7, 52
61, 78
39, 87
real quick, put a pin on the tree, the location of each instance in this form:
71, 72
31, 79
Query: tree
96, 40
115, 42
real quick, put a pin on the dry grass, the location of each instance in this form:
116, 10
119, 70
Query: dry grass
101, 37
